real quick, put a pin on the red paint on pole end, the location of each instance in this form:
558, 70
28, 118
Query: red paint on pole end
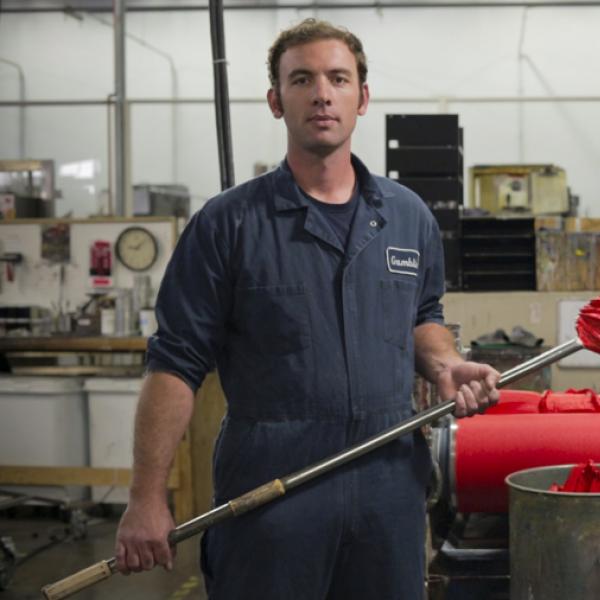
588, 325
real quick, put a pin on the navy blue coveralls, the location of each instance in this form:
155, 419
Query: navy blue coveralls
314, 348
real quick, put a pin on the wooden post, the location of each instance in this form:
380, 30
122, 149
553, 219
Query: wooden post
204, 427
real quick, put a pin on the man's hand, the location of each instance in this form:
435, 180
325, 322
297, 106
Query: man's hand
142, 537
472, 385
164, 411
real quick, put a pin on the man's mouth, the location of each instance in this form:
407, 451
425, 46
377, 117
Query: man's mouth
323, 118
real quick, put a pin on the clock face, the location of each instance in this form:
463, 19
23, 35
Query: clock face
137, 248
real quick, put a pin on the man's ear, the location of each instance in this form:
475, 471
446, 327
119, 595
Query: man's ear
364, 99
275, 103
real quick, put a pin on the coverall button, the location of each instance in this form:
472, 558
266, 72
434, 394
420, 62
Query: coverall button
373, 223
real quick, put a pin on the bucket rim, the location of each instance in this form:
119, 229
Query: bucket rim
525, 488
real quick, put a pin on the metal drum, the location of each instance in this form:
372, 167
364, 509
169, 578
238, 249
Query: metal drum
554, 538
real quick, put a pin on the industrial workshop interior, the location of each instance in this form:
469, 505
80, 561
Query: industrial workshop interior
121, 119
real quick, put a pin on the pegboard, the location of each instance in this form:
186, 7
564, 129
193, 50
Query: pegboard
37, 281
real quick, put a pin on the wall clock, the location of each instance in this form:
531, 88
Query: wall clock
137, 248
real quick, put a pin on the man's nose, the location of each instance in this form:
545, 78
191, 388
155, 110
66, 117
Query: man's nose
321, 92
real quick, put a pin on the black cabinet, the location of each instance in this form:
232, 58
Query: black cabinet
498, 254
435, 189
430, 161
424, 130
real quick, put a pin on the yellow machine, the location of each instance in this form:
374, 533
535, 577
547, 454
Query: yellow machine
533, 189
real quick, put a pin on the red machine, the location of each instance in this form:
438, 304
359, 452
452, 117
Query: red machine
524, 430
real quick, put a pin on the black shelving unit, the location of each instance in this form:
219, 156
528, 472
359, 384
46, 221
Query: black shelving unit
498, 254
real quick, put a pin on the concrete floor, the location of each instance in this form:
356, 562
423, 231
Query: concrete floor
32, 528
71, 555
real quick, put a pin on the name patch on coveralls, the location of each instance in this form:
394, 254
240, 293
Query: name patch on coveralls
403, 260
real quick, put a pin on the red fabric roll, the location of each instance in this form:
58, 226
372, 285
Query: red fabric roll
570, 401
514, 402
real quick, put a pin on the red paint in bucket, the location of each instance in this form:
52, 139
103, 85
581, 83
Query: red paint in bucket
583, 479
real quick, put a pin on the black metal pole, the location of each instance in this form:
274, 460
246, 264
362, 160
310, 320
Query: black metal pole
217, 36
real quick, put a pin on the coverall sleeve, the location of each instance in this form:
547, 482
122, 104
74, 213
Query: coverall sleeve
430, 309
193, 302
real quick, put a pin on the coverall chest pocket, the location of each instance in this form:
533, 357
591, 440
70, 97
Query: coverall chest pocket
397, 308
274, 319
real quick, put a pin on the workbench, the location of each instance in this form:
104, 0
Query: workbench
180, 480
25, 354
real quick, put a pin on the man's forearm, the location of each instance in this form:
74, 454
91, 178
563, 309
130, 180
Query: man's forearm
163, 413
435, 350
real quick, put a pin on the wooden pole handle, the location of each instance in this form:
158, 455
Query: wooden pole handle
257, 497
78, 581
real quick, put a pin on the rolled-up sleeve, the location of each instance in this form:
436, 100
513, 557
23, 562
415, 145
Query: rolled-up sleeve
192, 306
430, 309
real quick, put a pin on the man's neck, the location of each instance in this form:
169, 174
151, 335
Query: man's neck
328, 178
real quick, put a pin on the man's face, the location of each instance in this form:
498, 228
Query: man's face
319, 95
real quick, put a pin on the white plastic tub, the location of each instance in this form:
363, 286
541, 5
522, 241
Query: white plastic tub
43, 422
112, 403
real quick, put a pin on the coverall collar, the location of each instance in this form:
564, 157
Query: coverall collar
288, 197
370, 213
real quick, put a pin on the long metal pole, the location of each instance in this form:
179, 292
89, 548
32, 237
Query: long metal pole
278, 487
333, 6
119, 10
380, 100
425, 417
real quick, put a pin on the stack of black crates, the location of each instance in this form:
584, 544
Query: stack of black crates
425, 153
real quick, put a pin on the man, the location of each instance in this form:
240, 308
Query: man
315, 289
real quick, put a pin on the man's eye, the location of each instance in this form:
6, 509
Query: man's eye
341, 80
300, 81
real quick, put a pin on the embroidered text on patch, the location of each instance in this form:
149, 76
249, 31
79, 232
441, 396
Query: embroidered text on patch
403, 260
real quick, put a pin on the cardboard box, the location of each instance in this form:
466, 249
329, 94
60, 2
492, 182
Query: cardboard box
580, 268
567, 261
596, 261
582, 224
551, 263
555, 223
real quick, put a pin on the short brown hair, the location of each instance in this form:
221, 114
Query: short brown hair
311, 30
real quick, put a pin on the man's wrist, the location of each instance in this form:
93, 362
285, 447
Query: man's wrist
445, 365
148, 493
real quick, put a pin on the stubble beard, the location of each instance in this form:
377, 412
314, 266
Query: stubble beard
321, 149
